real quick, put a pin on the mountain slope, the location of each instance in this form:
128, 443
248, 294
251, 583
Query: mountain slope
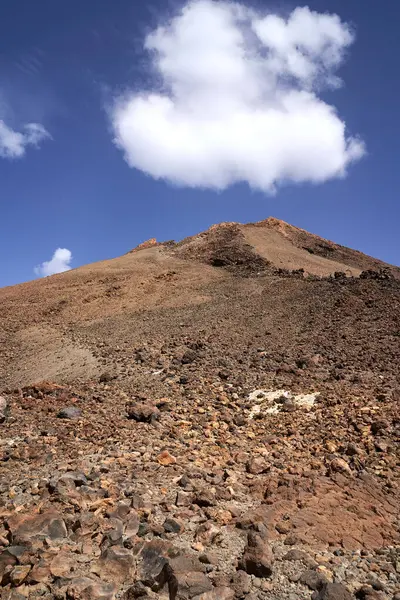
228, 398
45, 322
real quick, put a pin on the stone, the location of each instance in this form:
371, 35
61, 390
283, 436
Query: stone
49, 524
70, 412
153, 558
166, 459
241, 582
106, 377
296, 554
63, 487
15, 595
114, 532
333, 591
183, 575
173, 526
183, 499
4, 409
84, 588
257, 558
40, 573
132, 524
312, 579
142, 412
204, 498
258, 465
339, 465
115, 565
207, 533
366, 592
138, 590
7, 563
63, 565
19, 574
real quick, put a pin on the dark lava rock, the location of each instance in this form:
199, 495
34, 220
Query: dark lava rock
312, 579
333, 591
172, 526
70, 412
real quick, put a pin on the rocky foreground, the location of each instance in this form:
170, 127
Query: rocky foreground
268, 495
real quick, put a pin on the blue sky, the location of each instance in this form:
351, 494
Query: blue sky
63, 64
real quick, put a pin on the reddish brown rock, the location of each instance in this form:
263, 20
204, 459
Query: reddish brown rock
84, 588
7, 563
257, 558
143, 412
116, 565
166, 459
25, 527
258, 465
19, 574
341, 466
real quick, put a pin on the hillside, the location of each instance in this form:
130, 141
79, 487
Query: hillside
230, 424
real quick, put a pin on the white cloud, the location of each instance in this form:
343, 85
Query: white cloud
238, 100
13, 143
60, 262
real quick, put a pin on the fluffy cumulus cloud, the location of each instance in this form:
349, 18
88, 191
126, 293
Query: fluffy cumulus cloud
237, 98
13, 143
60, 262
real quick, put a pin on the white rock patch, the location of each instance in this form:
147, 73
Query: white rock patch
270, 402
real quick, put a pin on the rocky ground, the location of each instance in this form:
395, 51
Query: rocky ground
235, 439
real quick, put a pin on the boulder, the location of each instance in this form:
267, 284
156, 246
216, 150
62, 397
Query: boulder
25, 527
115, 565
257, 558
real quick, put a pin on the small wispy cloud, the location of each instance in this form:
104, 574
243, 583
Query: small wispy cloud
13, 143
30, 62
237, 98
59, 263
